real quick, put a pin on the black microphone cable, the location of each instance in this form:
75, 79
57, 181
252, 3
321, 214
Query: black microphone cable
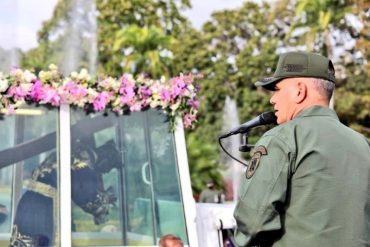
222, 147
263, 119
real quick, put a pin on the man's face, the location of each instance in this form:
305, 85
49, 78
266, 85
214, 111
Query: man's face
284, 99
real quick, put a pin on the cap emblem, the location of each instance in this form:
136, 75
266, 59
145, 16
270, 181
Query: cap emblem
294, 67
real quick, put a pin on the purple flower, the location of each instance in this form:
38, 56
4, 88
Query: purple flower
17, 92
165, 95
101, 101
128, 97
145, 92
193, 103
36, 91
126, 84
178, 87
51, 96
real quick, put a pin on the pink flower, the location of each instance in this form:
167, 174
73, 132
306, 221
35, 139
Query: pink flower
17, 92
178, 87
165, 95
101, 101
36, 91
188, 119
135, 107
128, 97
145, 92
193, 103
127, 90
51, 96
126, 84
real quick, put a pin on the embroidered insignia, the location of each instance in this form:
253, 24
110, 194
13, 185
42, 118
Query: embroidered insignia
256, 154
294, 67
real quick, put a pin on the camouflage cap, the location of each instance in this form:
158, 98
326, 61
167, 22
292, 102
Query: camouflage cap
299, 64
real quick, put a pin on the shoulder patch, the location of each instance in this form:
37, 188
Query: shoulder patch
256, 155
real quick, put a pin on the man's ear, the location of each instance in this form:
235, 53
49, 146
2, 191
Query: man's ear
301, 93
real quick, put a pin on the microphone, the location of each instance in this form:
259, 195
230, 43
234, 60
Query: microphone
263, 119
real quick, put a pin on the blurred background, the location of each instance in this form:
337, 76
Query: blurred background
231, 43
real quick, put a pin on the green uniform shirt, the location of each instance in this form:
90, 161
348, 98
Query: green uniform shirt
308, 186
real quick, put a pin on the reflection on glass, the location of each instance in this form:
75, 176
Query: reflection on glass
7, 140
170, 213
137, 184
28, 164
96, 160
140, 173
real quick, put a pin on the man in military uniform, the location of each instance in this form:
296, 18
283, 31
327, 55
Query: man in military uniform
308, 180
210, 194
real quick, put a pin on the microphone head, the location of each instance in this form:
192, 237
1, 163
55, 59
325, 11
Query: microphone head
268, 118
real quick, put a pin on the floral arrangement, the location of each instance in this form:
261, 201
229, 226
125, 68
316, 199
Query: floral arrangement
176, 96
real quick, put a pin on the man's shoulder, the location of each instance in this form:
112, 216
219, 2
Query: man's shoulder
283, 130
285, 135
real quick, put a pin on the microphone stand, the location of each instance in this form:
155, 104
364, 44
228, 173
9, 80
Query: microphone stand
245, 147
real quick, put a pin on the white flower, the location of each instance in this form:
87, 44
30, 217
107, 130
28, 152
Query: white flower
163, 79
28, 76
74, 75
26, 86
154, 103
91, 94
175, 106
84, 76
53, 67
4, 84
115, 84
116, 103
44, 76
17, 72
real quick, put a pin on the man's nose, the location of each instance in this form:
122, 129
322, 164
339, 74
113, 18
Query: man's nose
272, 100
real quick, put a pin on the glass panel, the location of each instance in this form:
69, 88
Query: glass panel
96, 176
7, 132
29, 168
170, 212
131, 160
138, 186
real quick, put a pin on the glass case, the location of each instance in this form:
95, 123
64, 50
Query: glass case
124, 179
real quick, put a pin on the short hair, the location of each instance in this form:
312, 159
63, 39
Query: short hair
324, 87
170, 238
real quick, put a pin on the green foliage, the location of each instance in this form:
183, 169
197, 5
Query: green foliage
142, 48
116, 17
203, 162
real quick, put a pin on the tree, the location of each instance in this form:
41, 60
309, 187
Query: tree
157, 18
144, 50
330, 26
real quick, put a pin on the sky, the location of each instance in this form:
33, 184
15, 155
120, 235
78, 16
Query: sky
20, 19
202, 9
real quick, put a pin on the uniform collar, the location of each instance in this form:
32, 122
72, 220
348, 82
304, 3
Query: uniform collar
317, 111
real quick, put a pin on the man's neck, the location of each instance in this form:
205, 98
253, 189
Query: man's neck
304, 106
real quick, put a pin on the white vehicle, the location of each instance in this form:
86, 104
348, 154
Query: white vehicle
73, 179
